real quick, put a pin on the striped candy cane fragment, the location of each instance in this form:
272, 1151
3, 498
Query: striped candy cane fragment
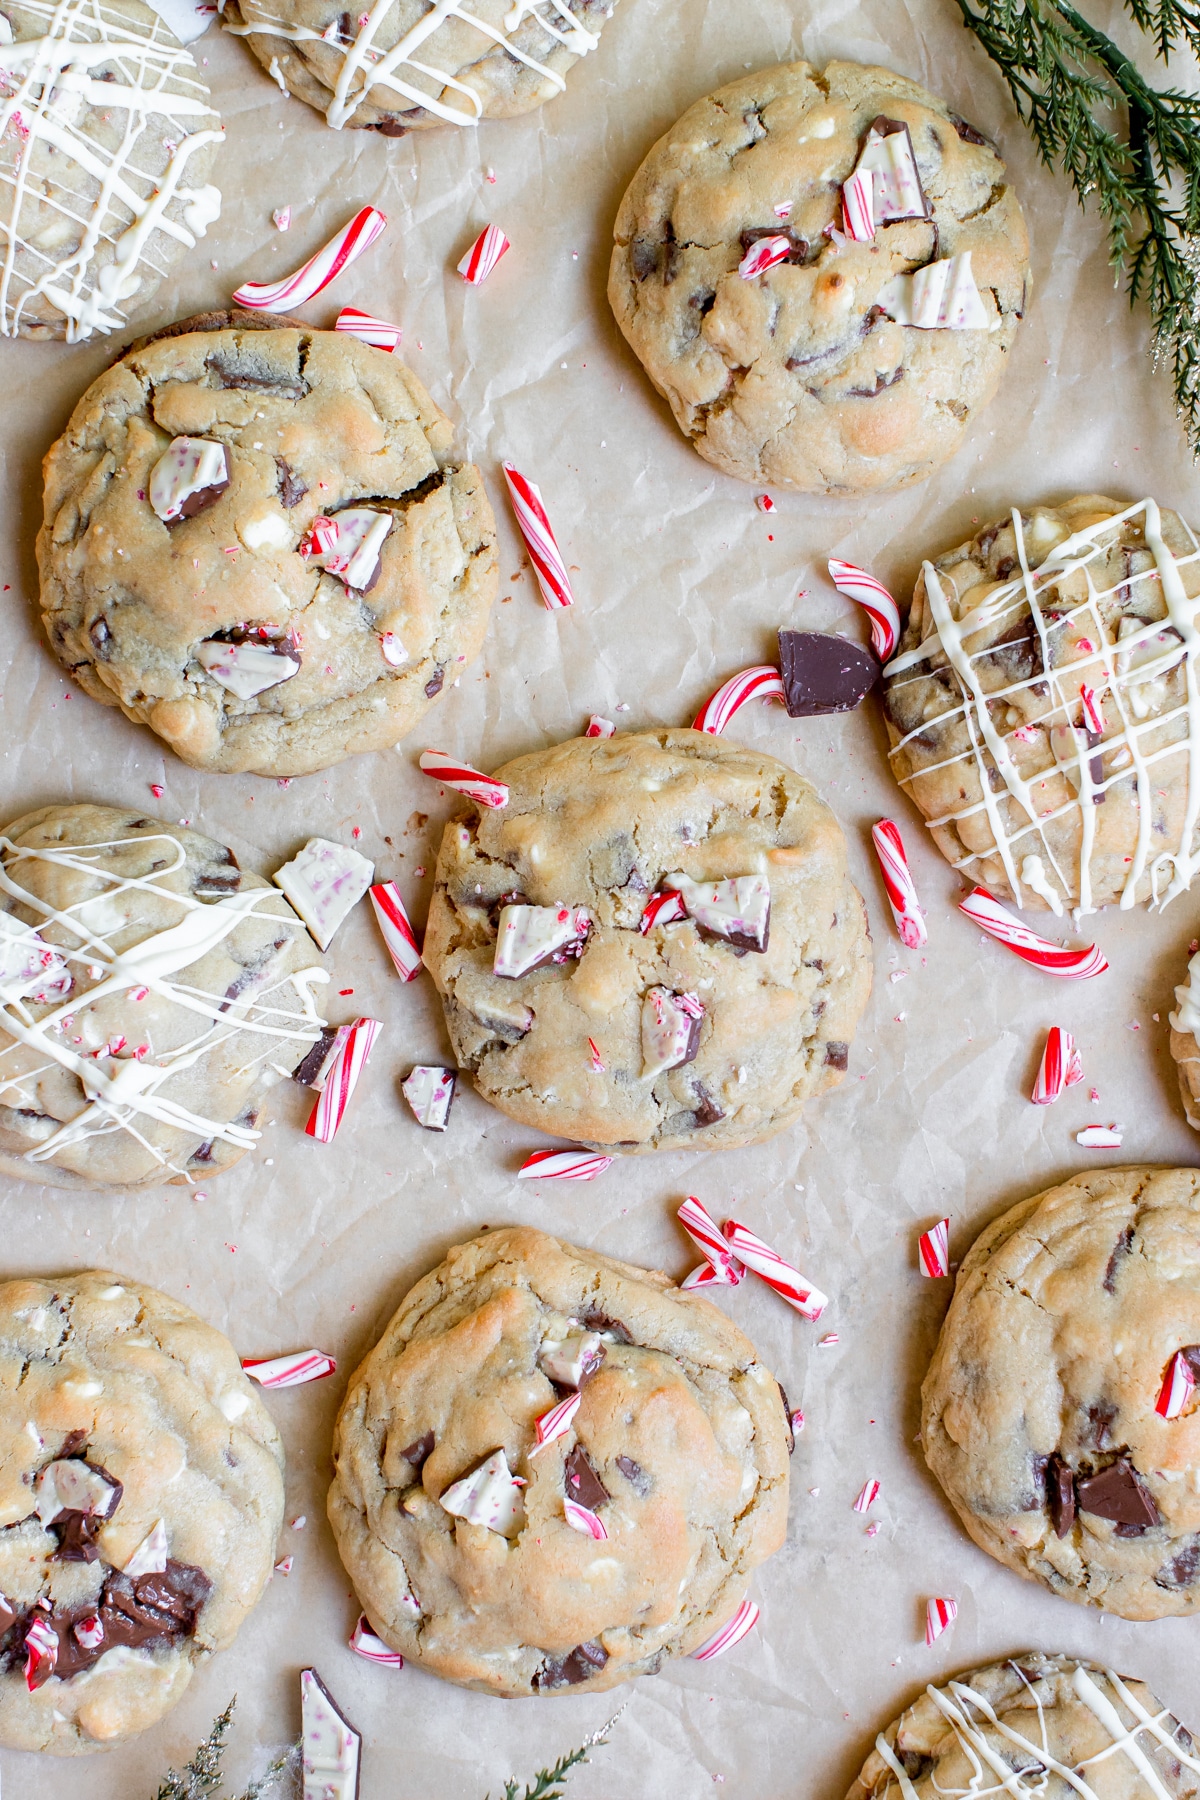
317, 273
765, 503
1007, 929
1059, 1069
901, 889
41, 1652
483, 255
557, 1422
396, 926
540, 541
581, 1518
483, 789
874, 598
1093, 716
364, 1643
342, 1079
867, 1496
858, 216
770, 1267
563, 1165
289, 1371
705, 1233
599, 728
940, 1614
1100, 1137
1179, 1384
933, 1248
764, 254
662, 909
378, 332
742, 1623
321, 538
703, 1276
763, 682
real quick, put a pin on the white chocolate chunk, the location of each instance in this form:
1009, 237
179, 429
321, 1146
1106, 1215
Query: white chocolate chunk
246, 669
895, 183
354, 558
233, 1405
940, 297
670, 1030
69, 1485
531, 935
569, 1360
188, 468
28, 966
429, 1092
150, 1557
488, 1496
330, 1747
270, 530
323, 882
738, 909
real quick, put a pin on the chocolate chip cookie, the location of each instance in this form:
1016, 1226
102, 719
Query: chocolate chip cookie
1034, 1726
655, 944
1185, 1041
1058, 1411
1043, 706
151, 992
141, 1495
555, 1470
823, 273
257, 542
405, 66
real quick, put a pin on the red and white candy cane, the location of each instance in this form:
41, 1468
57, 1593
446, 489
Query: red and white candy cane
41, 1646
705, 1233
703, 1276
483, 255
563, 1165
364, 1642
933, 1248
1059, 1069
557, 1422
321, 537
1100, 1137
763, 255
1093, 716
396, 926
599, 728
874, 598
485, 790
347, 1065
770, 1267
317, 273
858, 207
1179, 1384
662, 909
901, 889
582, 1518
540, 541
289, 1371
763, 682
742, 1623
377, 332
867, 1496
940, 1614
1007, 929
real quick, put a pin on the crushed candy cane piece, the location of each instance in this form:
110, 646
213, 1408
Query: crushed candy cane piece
429, 1092
764, 254
563, 1165
933, 1248
737, 909
702, 1228
483, 255
527, 937
41, 1652
322, 883
150, 1557
89, 1632
571, 1360
557, 1422
379, 333
1179, 1384
1100, 1137
281, 218
581, 1518
316, 274
396, 926
889, 158
875, 600
858, 217
828, 1341
1059, 1069
330, 1747
356, 557
703, 1276
364, 1642
488, 1496
867, 1496
248, 668
1093, 716
599, 728
189, 475
763, 682
285, 1565
940, 1614
942, 296
671, 1027
778, 1274
743, 1621
321, 538
289, 1371
986, 912
483, 789
765, 503
901, 889
540, 541
347, 1066
797, 1422
664, 908
393, 650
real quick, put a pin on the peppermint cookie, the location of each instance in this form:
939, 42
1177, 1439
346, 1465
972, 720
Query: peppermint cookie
257, 542
823, 274
404, 66
555, 1470
107, 140
1033, 1727
1058, 1411
1043, 705
151, 992
653, 945
141, 1495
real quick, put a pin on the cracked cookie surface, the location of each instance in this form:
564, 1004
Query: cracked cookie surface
1039, 1409
795, 377
680, 1444
109, 1387
604, 825
149, 613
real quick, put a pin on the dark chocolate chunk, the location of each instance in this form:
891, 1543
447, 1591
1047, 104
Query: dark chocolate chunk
73, 1443
1121, 1249
1117, 1493
308, 1069
416, 1452
706, 1111
635, 1475
577, 1665
1182, 1569
393, 128
258, 381
203, 1152
1018, 650
77, 1533
967, 133
823, 673
1060, 1495
882, 383
223, 878
583, 1483
9, 1614
837, 1055
101, 638
595, 1320
434, 685
787, 1417
1191, 1356
290, 487
1098, 1431
916, 1764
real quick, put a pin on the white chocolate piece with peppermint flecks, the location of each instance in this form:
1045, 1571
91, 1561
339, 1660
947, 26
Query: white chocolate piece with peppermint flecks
571, 1360
246, 669
354, 559
940, 297
530, 935
150, 1557
895, 183
322, 883
489, 1496
70, 1485
330, 1747
187, 467
738, 908
429, 1092
670, 1030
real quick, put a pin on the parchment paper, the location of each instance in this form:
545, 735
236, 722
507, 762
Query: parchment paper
679, 582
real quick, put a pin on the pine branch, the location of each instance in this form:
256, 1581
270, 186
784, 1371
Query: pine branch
546, 1783
202, 1777
1073, 87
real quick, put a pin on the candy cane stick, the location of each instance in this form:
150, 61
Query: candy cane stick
901, 889
563, 1165
704, 1232
485, 790
870, 594
397, 930
743, 1621
940, 1614
762, 682
770, 1267
1179, 1384
933, 1247
317, 273
289, 1371
998, 922
483, 255
347, 1065
377, 332
540, 541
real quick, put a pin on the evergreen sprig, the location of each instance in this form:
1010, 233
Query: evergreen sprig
547, 1783
1132, 148
201, 1779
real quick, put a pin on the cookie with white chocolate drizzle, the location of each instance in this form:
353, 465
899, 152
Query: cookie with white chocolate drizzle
1030, 1728
107, 140
1185, 1041
151, 992
1044, 705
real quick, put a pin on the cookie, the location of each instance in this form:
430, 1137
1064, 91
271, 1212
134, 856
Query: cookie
1042, 706
102, 188
141, 1496
151, 992
454, 1524
403, 67
1040, 1406
1032, 1727
1185, 1042
848, 365
257, 542
654, 945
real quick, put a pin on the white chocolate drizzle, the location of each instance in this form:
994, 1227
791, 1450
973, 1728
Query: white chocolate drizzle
47, 96
1120, 678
